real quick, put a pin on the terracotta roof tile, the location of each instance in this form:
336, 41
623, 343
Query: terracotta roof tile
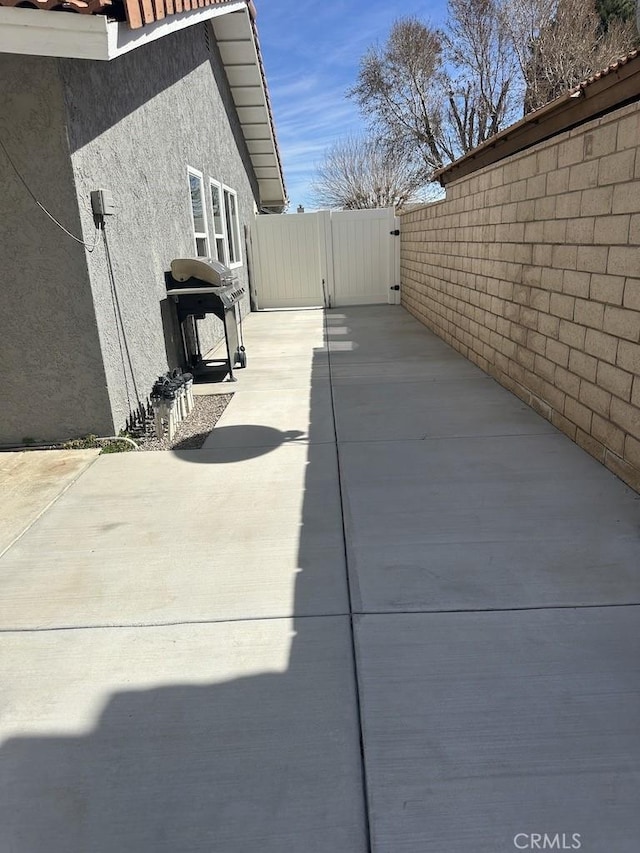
85, 7
136, 12
609, 70
141, 12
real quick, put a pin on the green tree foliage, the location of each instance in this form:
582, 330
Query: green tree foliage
609, 10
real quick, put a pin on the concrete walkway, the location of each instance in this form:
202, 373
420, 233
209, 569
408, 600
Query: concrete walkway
387, 607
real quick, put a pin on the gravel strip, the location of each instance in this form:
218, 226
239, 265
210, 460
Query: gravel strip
195, 428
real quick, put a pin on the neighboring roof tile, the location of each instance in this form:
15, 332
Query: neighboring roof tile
610, 69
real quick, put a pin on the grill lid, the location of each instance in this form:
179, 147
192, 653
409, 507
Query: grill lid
206, 269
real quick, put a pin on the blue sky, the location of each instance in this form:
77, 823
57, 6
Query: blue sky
311, 51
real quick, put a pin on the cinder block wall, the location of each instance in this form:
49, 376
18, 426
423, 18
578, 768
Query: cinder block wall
531, 269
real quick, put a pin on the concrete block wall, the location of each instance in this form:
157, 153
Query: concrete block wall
531, 269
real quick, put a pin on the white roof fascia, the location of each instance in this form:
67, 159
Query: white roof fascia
37, 33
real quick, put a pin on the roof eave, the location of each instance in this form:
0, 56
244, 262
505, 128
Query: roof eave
39, 33
237, 39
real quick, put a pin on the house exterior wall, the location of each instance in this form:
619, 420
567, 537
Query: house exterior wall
53, 382
135, 124
531, 269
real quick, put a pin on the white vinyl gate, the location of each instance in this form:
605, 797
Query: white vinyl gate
330, 258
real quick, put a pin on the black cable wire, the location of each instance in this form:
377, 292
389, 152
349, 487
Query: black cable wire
120, 321
118, 333
89, 247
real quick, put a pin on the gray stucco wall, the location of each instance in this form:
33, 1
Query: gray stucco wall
135, 124
53, 383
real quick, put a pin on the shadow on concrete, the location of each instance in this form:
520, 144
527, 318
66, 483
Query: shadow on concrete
269, 760
256, 441
267, 763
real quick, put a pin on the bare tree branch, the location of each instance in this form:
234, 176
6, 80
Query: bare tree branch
367, 173
558, 43
445, 92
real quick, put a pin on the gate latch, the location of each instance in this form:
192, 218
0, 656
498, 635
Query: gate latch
395, 233
395, 287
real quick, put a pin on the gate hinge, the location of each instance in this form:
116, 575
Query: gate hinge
395, 233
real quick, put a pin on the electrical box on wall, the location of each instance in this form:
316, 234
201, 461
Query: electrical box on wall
102, 203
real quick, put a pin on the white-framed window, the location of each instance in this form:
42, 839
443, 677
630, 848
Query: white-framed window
230, 201
199, 213
219, 229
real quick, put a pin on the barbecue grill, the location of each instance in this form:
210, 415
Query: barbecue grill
201, 286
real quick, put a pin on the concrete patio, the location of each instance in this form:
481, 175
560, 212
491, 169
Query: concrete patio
386, 608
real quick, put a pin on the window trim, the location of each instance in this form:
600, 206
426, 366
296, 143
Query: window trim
226, 189
219, 235
199, 235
